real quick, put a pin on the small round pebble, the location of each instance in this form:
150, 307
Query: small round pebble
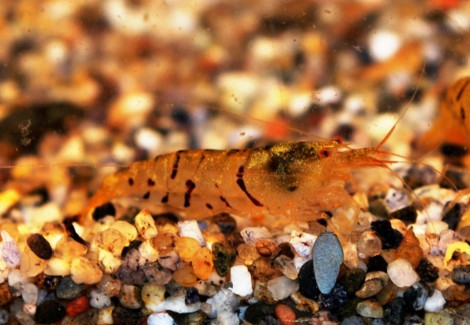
335, 299
225, 222
353, 320
285, 314
353, 279
104, 210
461, 274
40, 246
416, 295
427, 271
435, 302
67, 289
282, 287
4, 316
49, 312
162, 318
77, 306
395, 311
390, 237
370, 308
98, 299
401, 273
377, 263
327, 258
373, 284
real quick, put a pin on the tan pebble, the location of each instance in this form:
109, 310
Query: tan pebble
126, 229
67, 249
57, 267
370, 308
110, 285
285, 314
261, 292
263, 268
185, 276
373, 284
83, 271
129, 296
248, 253
108, 261
152, 295
148, 252
304, 304
145, 224
31, 265
111, 240
163, 242
203, 263
267, 248
186, 247
105, 316
130, 110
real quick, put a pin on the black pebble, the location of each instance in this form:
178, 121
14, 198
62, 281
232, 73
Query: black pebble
286, 249
124, 316
452, 217
390, 237
224, 257
256, 312
377, 263
104, 210
40, 246
394, 312
43, 195
225, 222
407, 214
461, 274
416, 295
426, 271
335, 299
307, 283
49, 312
269, 320
353, 320
191, 296
352, 280
67, 289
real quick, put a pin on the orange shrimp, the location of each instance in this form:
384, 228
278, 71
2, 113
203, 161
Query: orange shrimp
297, 180
452, 125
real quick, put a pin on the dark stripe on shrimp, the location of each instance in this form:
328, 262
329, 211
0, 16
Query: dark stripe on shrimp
175, 164
146, 196
225, 201
460, 93
462, 113
130, 181
241, 184
190, 185
209, 206
150, 182
165, 198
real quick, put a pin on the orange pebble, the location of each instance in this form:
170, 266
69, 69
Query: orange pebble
77, 306
203, 263
186, 247
409, 249
285, 314
185, 276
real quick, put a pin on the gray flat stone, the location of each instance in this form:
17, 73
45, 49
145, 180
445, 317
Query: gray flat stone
327, 258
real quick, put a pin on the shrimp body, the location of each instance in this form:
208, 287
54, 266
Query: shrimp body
453, 122
298, 180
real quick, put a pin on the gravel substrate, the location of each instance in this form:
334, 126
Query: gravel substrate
88, 87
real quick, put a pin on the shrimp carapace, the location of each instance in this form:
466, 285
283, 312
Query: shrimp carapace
298, 180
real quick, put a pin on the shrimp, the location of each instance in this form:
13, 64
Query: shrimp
452, 125
297, 180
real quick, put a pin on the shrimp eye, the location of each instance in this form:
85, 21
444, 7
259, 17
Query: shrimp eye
324, 153
337, 139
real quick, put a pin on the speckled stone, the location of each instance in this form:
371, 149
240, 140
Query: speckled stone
373, 284
225, 222
394, 312
49, 312
156, 274
223, 258
461, 274
416, 295
427, 271
353, 279
335, 299
255, 312
67, 289
327, 258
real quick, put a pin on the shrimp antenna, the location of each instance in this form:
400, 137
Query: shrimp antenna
392, 129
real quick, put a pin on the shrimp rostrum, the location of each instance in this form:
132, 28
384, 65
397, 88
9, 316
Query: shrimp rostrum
294, 180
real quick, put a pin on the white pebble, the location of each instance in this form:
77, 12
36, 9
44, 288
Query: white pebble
160, 319
383, 44
98, 299
435, 303
251, 235
176, 304
241, 280
401, 273
302, 242
222, 304
148, 139
191, 229
10, 253
227, 318
282, 287
30, 294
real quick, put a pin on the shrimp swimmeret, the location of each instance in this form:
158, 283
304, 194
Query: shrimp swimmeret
298, 180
